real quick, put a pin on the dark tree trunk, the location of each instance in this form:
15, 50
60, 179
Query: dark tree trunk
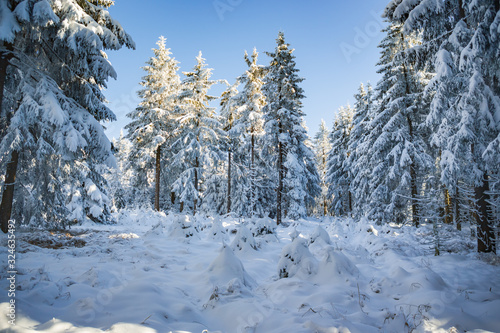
195, 201
414, 194
157, 179
252, 176
413, 176
456, 209
8, 191
349, 202
325, 209
172, 198
485, 231
461, 11
413, 173
448, 216
5, 57
229, 158
280, 180
10, 173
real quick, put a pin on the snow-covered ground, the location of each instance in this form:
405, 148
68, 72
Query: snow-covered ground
157, 273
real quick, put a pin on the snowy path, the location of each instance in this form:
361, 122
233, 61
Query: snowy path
138, 277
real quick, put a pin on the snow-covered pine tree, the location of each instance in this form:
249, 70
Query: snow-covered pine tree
442, 39
254, 194
286, 143
399, 154
153, 121
200, 135
220, 181
119, 178
322, 147
359, 149
338, 176
51, 107
466, 99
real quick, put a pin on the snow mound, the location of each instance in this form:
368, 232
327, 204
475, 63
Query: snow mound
294, 234
297, 259
320, 234
336, 265
263, 226
217, 231
182, 227
244, 240
123, 236
228, 270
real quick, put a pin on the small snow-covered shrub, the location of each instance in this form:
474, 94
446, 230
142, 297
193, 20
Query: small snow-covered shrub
336, 265
244, 240
216, 230
295, 258
227, 267
294, 234
263, 226
182, 227
320, 233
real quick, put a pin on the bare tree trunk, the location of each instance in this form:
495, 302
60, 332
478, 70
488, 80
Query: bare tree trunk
8, 191
252, 177
229, 158
461, 11
10, 173
325, 210
349, 195
448, 217
195, 201
280, 179
413, 174
485, 231
157, 179
414, 194
5, 57
456, 208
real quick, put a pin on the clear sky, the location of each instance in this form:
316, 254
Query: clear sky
335, 45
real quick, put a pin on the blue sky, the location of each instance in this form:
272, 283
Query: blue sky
335, 45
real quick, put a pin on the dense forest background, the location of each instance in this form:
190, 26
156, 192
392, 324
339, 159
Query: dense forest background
421, 146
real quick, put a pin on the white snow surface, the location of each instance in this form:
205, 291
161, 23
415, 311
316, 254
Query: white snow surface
141, 275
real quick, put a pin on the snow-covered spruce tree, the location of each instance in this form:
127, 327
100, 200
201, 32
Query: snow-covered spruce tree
220, 185
200, 135
466, 98
441, 41
322, 147
338, 176
119, 178
359, 149
153, 121
399, 153
53, 146
287, 147
255, 194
